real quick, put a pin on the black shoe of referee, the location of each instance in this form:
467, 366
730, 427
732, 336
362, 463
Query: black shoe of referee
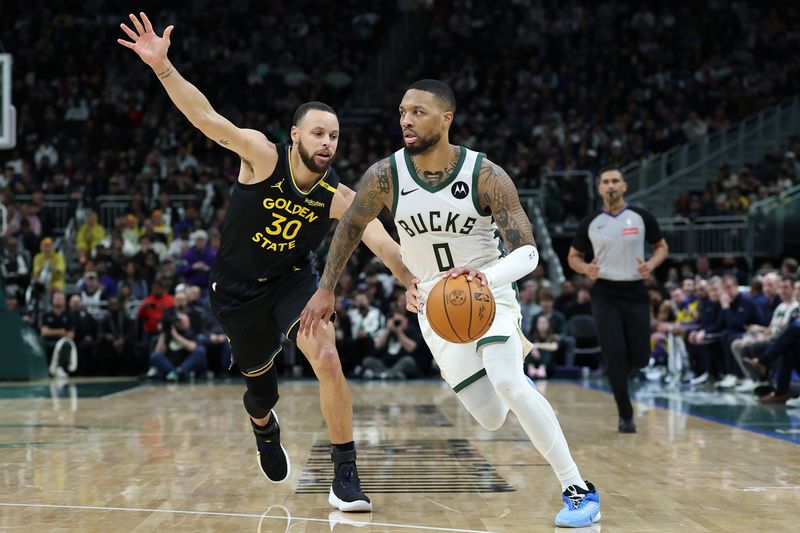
626, 426
346, 494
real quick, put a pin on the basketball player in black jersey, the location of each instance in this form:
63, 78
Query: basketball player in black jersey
279, 212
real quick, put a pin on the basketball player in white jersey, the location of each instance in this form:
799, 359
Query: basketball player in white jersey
451, 205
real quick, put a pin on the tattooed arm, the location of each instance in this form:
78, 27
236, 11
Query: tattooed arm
373, 195
498, 194
251, 145
375, 236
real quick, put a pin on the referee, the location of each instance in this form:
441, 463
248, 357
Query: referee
615, 235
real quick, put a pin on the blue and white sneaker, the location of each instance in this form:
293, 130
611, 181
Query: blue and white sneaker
581, 507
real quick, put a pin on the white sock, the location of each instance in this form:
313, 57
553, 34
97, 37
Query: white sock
503, 364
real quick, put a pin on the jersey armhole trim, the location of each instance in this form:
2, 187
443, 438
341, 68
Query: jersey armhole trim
476, 171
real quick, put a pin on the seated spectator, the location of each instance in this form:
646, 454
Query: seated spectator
401, 352
197, 261
541, 361
736, 312
757, 339
135, 281
93, 295
146, 259
116, 338
130, 236
151, 311
582, 304
158, 227
49, 267
25, 212
529, 306
177, 353
366, 323
769, 299
104, 277
785, 349
558, 323
705, 348
13, 266
566, 298
84, 328
89, 235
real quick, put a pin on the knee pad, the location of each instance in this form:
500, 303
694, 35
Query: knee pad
261, 394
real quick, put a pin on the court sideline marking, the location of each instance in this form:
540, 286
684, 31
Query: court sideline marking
236, 515
687, 412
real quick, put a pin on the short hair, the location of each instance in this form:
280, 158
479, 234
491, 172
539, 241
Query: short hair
610, 168
302, 111
439, 89
788, 277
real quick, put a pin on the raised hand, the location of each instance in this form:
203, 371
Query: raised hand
147, 45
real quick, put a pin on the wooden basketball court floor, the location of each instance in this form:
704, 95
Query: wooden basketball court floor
101, 455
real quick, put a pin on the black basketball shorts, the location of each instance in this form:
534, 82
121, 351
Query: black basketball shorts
254, 315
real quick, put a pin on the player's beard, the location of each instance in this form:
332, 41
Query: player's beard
423, 143
308, 160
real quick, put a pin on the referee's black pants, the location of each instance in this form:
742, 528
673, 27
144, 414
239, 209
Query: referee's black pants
622, 313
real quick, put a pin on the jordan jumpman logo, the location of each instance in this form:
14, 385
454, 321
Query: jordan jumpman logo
279, 186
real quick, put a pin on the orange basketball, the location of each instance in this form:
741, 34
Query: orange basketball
460, 311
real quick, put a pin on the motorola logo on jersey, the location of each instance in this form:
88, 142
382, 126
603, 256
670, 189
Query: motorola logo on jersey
436, 221
460, 190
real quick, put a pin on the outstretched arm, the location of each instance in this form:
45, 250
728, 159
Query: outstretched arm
375, 236
498, 194
373, 195
251, 145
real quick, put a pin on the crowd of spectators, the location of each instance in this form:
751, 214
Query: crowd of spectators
549, 86
585, 86
733, 191
726, 329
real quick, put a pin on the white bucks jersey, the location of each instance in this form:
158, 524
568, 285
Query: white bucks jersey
444, 226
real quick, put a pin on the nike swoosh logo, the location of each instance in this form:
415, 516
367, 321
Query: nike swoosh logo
404, 192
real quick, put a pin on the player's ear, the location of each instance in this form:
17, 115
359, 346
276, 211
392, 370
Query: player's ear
447, 119
295, 134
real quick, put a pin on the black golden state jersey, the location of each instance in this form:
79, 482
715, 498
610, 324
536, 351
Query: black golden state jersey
272, 227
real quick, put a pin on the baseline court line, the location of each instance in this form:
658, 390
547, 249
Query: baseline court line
234, 515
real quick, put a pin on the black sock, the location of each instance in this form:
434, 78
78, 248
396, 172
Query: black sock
346, 447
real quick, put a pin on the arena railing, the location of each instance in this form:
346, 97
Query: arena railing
713, 237
112, 206
690, 165
59, 204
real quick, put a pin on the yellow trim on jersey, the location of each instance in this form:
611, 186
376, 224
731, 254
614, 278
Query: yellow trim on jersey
327, 186
294, 182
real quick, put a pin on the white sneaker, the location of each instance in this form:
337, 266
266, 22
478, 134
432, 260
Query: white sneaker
728, 382
699, 380
794, 402
747, 385
60, 373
